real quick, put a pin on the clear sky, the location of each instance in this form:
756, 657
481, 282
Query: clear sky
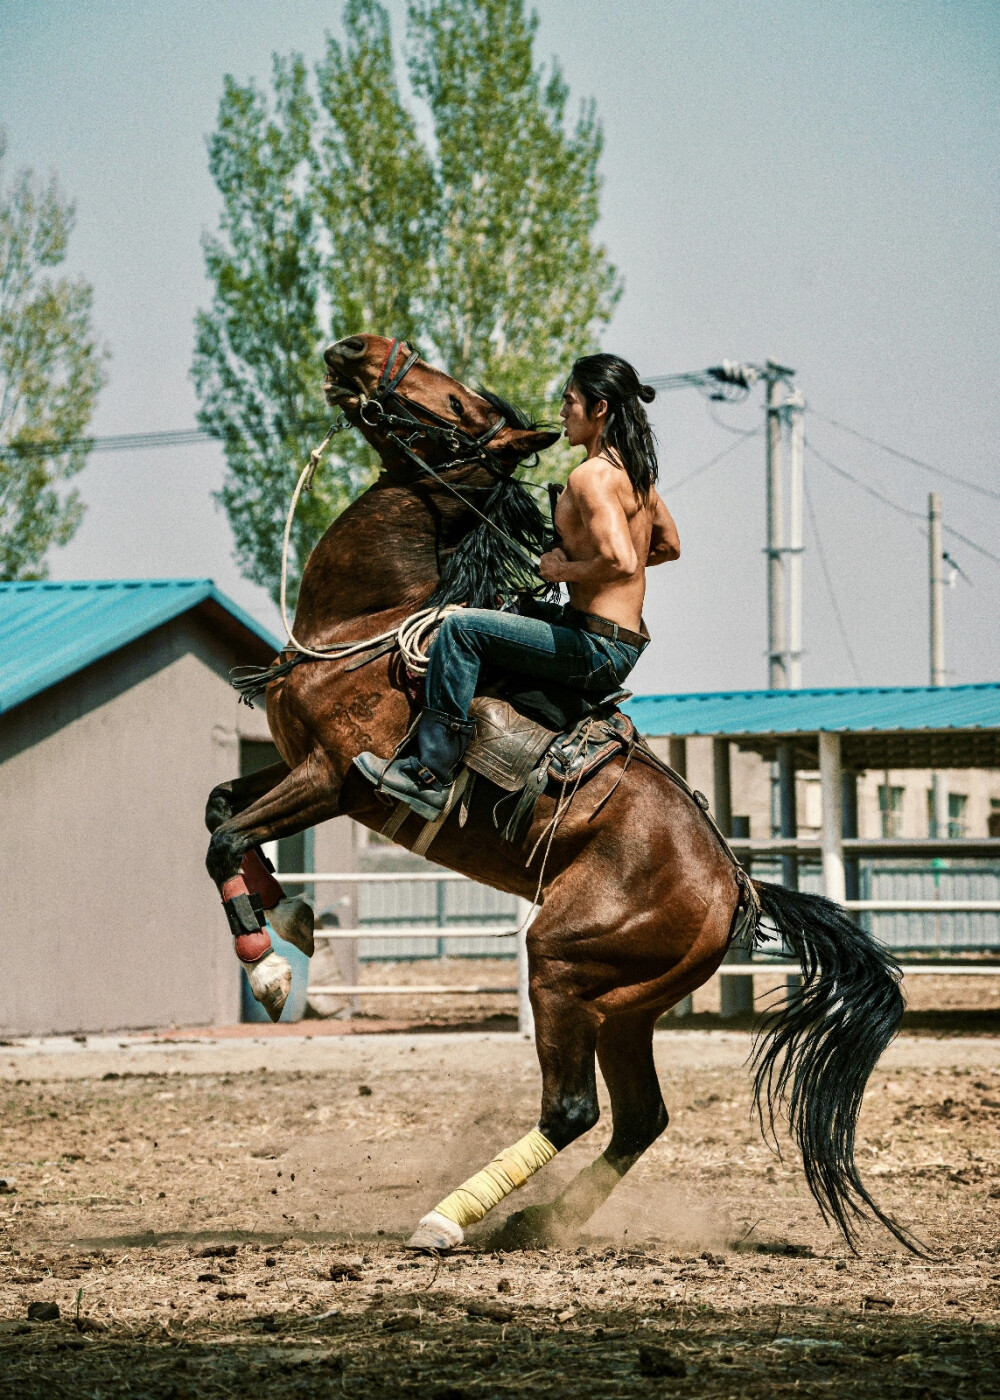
801, 179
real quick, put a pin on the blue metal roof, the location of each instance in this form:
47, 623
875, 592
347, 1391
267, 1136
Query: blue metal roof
857, 709
914, 726
49, 631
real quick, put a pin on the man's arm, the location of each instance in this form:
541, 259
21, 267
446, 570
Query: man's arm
596, 498
664, 541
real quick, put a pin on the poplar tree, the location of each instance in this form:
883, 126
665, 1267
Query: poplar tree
51, 371
466, 226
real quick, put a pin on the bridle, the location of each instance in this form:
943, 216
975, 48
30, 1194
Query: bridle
387, 412
437, 429
391, 414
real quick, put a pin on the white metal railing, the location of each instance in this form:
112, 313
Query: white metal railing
484, 932
759, 967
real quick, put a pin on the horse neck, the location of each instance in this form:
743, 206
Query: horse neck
382, 554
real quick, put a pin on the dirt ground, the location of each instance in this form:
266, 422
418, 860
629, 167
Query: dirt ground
227, 1218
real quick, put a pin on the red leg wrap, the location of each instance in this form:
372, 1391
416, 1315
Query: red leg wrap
259, 880
251, 946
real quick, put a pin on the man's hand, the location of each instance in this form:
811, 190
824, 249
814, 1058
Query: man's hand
552, 566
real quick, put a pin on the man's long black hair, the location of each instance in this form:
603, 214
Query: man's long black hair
627, 432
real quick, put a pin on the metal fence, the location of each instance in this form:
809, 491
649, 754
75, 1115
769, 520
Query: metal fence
938, 886
947, 906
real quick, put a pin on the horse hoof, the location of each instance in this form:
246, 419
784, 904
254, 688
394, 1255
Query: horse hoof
270, 981
533, 1226
435, 1234
292, 920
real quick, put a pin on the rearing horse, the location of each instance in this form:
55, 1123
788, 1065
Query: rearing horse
640, 898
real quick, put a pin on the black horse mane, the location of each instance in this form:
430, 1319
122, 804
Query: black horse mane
483, 571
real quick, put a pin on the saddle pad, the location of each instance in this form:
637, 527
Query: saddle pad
505, 747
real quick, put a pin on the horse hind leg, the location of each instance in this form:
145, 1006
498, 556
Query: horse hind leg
304, 796
290, 916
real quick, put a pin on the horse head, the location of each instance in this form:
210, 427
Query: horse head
373, 380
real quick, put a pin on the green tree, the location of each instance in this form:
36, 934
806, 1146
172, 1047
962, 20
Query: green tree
471, 235
51, 371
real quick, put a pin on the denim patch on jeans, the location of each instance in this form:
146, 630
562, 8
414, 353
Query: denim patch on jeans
523, 646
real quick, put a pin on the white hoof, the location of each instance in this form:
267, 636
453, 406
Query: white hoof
270, 981
436, 1232
292, 920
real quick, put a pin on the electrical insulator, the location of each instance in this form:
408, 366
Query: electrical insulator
730, 372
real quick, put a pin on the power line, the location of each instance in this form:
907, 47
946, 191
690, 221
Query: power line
971, 543
121, 442
829, 581
730, 447
902, 510
886, 500
135, 442
905, 457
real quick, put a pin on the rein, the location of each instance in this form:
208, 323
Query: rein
439, 429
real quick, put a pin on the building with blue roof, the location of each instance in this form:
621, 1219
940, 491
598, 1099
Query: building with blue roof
953, 726
116, 719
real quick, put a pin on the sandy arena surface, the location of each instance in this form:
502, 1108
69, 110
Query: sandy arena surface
225, 1217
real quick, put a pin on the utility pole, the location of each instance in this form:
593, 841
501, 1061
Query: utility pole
936, 560
777, 675
795, 413
939, 817
784, 660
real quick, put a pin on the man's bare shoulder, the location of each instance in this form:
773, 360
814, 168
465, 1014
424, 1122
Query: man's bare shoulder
597, 474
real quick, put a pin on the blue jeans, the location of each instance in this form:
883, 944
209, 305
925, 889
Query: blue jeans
524, 646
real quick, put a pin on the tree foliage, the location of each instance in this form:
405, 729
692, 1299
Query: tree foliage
51, 370
465, 225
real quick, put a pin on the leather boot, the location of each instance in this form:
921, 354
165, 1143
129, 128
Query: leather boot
423, 780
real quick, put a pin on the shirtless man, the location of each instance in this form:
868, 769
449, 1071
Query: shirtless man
612, 526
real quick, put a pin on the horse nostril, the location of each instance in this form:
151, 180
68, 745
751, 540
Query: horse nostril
350, 349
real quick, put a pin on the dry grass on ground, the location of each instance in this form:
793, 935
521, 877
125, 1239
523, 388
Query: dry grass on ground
239, 1233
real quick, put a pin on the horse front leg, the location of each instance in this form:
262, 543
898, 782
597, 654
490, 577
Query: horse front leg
290, 916
625, 1055
565, 1036
302, 797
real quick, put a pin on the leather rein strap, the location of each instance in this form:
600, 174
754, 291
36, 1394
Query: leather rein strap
456, 438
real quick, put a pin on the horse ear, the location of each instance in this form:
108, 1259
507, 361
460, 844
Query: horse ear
522, 442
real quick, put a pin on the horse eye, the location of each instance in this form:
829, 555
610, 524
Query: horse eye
457, 406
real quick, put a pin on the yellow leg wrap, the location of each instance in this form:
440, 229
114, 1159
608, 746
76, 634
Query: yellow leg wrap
509, 1169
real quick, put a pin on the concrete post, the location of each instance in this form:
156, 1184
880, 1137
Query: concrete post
678, 761
722, 786
788, 824
849, 827
832, 839
525, 1015
677, 756
735, 993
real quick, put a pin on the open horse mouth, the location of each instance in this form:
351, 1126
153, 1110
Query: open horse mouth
339, 388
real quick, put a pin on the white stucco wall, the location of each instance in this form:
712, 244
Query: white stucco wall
108, 918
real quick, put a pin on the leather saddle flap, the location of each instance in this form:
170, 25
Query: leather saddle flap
588, 746
506, 747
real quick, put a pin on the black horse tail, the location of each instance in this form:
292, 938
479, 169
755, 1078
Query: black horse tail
816, 1051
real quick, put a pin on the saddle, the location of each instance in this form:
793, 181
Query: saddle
519, 755
522, 757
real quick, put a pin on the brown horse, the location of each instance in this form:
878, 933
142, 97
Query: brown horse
640, 897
